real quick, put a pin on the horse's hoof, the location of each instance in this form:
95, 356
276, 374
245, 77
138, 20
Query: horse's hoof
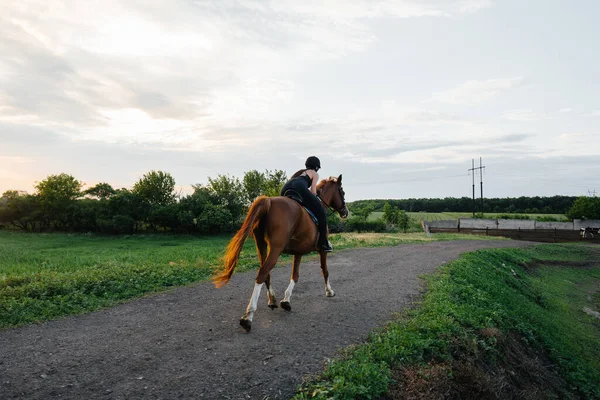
330, 294
273, 306
247, 325
286, 305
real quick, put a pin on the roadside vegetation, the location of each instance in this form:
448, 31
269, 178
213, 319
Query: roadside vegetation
502, 323
45, 276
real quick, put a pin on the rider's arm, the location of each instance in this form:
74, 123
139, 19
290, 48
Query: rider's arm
315, 178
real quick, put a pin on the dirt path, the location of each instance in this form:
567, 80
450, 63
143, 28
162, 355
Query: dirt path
187, 343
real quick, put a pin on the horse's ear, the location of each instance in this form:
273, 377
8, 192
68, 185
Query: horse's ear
339, 180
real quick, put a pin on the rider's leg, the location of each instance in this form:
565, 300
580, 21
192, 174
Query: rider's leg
315, 206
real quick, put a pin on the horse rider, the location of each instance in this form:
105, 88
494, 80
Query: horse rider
305, 182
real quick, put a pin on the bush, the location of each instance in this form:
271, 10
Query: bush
214, 219
585, 208
513, 216
358, 224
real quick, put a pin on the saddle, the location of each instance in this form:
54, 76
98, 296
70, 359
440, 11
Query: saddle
294, 195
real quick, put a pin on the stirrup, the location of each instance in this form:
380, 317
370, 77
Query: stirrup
327, 247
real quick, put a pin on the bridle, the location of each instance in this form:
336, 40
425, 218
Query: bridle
331, 209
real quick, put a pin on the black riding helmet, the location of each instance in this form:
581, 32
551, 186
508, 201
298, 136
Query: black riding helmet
313, 162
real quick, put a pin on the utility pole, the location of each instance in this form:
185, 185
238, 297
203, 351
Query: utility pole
480, 168
592, 193
473, 169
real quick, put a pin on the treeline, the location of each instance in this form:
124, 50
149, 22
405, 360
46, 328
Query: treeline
522, 205
60, 204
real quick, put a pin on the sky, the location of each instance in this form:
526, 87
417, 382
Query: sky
398, 96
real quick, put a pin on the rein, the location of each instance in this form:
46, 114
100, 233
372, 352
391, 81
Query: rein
331, 209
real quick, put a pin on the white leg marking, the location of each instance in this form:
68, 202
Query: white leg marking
271, 296
288, 291
328, 290
253, 301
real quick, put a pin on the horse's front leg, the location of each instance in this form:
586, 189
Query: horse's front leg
328, 291
285, 303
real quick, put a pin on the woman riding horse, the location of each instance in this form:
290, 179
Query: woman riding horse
304, 182
279, 225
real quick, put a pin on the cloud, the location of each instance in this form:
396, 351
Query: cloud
523, 115
78, 64
474, 92
513, 138
565, 110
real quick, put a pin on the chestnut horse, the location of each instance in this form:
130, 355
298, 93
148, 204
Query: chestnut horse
280, 225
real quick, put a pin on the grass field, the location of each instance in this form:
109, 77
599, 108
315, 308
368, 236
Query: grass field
45, 276
456, 215
465, 327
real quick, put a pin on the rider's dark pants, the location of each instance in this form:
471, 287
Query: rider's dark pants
311, 202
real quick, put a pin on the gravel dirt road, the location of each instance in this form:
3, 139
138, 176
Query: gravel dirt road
187, 343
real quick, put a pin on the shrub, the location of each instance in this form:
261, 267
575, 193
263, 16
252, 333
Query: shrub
358, 224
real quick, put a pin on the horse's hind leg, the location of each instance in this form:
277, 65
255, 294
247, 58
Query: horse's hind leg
271, 294
328, 291
261, 249
285, 303
261, 277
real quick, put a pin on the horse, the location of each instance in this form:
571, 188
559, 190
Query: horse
280, 225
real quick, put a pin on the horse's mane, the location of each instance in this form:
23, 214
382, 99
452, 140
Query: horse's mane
324, 182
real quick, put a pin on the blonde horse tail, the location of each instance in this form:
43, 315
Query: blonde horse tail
232, 253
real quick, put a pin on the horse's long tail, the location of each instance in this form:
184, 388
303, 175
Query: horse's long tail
259, 208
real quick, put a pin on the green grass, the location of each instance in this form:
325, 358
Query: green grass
456, 215
481, 290
45, 276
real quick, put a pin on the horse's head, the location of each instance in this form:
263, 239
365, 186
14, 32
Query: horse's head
332, 194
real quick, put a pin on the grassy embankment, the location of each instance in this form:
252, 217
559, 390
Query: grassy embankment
45, 276
504, 323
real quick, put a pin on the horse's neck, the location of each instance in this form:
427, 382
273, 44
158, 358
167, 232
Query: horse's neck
325, 198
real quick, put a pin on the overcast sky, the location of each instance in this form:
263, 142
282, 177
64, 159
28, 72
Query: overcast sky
398, 96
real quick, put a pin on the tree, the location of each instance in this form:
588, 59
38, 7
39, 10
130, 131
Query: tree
56, 195
403, 220
100, 191
268, 183
275, 181
58, 188
125, 211
255, 184
585, 208
389, 214
215, 219
229, 193
156, 187
362, 212
19, 209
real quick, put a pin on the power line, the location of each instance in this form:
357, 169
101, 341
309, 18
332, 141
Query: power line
480, 168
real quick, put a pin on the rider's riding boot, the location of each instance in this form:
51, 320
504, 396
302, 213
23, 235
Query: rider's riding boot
327, 247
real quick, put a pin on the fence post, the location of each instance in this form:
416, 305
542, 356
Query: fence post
486, 231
